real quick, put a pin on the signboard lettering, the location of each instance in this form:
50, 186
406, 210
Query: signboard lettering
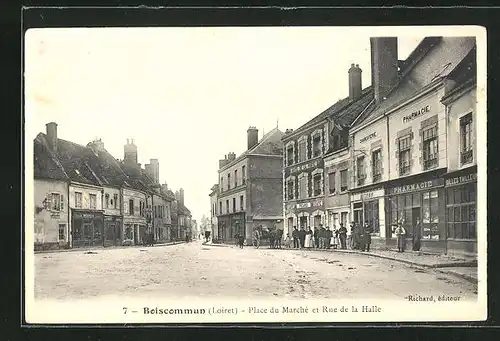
304, 205
417, 113
318, 203
305, 166
416, 186
366, 138
461, 179
368, 195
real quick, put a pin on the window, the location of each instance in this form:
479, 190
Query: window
317, 145
430, 147
131, 207
317, 184
228, 182
404, 144
331, 182
235, 178
289, 156
154, 212
377, 165
303, 150
234, 204
461, 211
430, 216
290, 189
303, 187
343, 180
343, 219
227, 206
93, 201
242, 205
57, 202
106, 200
371, 211
115, 201
466, 155
360, 169
220, 207
62, 231
78, 200
243, 175
221, 184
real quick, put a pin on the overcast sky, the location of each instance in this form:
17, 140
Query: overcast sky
187, 95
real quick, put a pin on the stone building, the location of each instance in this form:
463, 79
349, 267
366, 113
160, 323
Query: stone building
315, 192
399, 155
250, 188
214, 227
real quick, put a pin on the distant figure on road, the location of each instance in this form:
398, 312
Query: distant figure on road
241, 240
302, 237
272, 239
295, 236
400, 235
256, 237
417, 231
207, 236
322, 237
342, 236
316, 237
329, 238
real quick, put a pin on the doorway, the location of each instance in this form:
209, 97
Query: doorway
416, 229
303, 222
87, 234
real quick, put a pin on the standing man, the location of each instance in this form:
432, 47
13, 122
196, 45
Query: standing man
342, 236
328, 237
400, 235
368, 230
316, 237
417, 230
279, 236
295, 236
302, 237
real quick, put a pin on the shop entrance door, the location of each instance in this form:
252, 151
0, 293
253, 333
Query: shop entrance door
416, 228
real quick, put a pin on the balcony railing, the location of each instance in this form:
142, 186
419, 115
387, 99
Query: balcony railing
377, 177
430, 163
466, 156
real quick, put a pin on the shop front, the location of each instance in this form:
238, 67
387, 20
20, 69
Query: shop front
305, 214
134, 231
368, 205
87, 228
112, 230
418, 203
461, 208
230, 225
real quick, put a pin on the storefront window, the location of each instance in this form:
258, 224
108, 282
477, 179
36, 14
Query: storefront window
461, 211
371, 215
128, 232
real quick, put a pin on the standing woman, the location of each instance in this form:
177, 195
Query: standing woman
309, 239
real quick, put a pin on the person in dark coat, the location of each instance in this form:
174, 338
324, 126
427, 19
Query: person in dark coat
417, 235
328, 237
367, 237
279, 236
241, 240
272, 239
342, 236
295, 236
316, 237
302, 237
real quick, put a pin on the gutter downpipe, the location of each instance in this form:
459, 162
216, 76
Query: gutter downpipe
70, 226
388, 178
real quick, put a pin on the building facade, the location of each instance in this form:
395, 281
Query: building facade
214, 226
461, 176
250, 188
399, 158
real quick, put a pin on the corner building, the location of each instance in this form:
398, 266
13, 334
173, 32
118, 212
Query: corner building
400, 147
250, 188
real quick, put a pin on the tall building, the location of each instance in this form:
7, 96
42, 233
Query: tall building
401, 148
251, 187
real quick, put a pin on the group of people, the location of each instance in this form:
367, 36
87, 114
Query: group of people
319, 238
361, 237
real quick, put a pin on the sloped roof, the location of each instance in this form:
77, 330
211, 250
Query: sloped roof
433, 59
269, 144
334, 110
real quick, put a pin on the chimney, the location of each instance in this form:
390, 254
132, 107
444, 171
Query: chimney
223, 162
97, 145
384, 51
52, 135
253, 137
181, 196
231, 156
130, 153
354, 82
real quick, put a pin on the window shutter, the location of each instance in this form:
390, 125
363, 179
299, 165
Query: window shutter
62, 202
381, 162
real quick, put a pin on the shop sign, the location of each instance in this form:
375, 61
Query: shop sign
368, 195
83, 215
461, 179
368, 137
417, 113
55, 216
305, 166
318, 203
304, 205
417, 186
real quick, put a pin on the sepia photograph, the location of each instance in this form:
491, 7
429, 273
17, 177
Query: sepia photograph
255, 174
